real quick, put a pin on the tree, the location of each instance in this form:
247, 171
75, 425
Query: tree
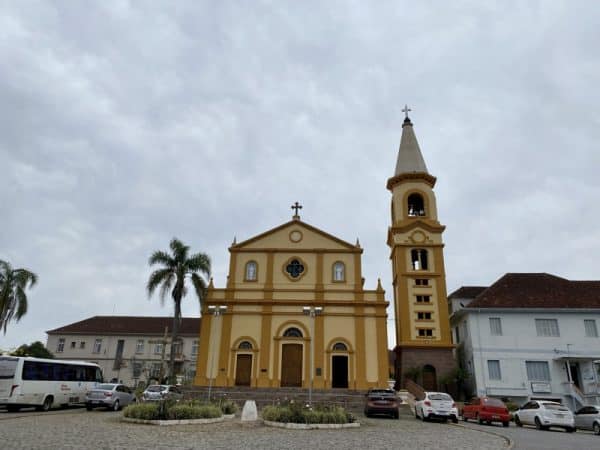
177, 268
13, 300
35, 349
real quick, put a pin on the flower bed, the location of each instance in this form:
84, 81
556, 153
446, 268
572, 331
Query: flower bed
298, 416
171, 413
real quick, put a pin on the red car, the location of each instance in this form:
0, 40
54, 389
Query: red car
486, 409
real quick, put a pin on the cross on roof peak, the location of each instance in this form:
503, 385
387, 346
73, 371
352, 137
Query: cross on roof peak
296, 206
405, 110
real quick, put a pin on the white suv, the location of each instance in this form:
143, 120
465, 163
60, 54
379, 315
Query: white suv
545, 414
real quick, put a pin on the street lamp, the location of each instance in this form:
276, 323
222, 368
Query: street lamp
312, 311
215, 311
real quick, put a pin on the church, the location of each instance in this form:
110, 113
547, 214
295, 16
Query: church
295, 311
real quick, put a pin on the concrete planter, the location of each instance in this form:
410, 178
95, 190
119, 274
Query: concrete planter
311, 426
176, 422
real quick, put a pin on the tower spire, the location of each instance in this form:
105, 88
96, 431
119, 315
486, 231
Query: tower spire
410, 159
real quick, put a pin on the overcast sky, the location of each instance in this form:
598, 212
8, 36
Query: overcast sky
124, 124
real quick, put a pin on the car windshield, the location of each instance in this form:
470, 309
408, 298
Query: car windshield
106, 387
445, 397
554, 407
493, 402
382, 394
156, 388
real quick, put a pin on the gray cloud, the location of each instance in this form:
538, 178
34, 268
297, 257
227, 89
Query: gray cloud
125, 124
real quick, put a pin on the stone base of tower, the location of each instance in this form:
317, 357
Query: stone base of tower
425, 365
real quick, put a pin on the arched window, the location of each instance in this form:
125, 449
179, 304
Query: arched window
245, 345
292, 332
419, 259
251, 269
339, 272
416, 206
340, 346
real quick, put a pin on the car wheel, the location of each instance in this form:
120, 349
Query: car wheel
538, 424
116, 406
464, 418
88, 407
12, 408
479, 419
518, 421
570, 430
46, 405
454, 419
596, 428
505, 424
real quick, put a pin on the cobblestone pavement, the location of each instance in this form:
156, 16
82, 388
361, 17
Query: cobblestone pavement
76, 429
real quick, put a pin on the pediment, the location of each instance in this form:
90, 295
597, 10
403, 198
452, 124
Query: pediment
295, 235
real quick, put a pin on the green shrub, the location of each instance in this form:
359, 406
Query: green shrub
144, 411
229, 407
298, 413
187, 411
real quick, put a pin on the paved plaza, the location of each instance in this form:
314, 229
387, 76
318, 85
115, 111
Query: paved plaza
78, 429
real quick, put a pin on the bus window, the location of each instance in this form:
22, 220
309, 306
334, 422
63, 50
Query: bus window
99, 377
8, 367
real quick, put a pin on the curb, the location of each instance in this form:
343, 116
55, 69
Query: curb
311, 426
509, 442
173, 422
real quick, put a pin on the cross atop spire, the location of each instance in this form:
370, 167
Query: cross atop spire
296, 206
405, 110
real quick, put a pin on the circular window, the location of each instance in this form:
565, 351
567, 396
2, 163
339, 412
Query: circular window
295, 268
296, 236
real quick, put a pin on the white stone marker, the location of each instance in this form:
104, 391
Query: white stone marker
249, 412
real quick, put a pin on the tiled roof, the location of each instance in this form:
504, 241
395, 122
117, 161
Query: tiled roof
538, 290
119, 325
467, 292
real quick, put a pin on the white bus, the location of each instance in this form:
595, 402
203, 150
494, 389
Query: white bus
44, 383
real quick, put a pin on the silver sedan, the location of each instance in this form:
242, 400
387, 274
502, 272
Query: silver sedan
109, 395
588, 418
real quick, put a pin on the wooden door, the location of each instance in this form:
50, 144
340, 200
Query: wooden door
291, 365
243, 370
429, 378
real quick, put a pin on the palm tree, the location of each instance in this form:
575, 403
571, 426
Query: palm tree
176, 268
13, 300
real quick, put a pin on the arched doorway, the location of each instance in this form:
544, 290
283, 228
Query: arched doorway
243, 365
291, 365
429, 378
339, 366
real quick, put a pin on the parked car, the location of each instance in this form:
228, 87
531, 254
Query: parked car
545, 414
109, 395
382, 401
436, 405
156, 392
588, 418
486, 409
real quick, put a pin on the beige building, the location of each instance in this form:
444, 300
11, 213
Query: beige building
128, 348
294, 300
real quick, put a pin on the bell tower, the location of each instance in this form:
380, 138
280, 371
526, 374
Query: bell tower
424, 349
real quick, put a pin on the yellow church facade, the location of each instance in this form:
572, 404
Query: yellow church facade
294, 305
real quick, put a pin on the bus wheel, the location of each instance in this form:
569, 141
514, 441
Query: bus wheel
47, 404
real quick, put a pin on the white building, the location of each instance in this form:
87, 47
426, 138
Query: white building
129, 348
530, 336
